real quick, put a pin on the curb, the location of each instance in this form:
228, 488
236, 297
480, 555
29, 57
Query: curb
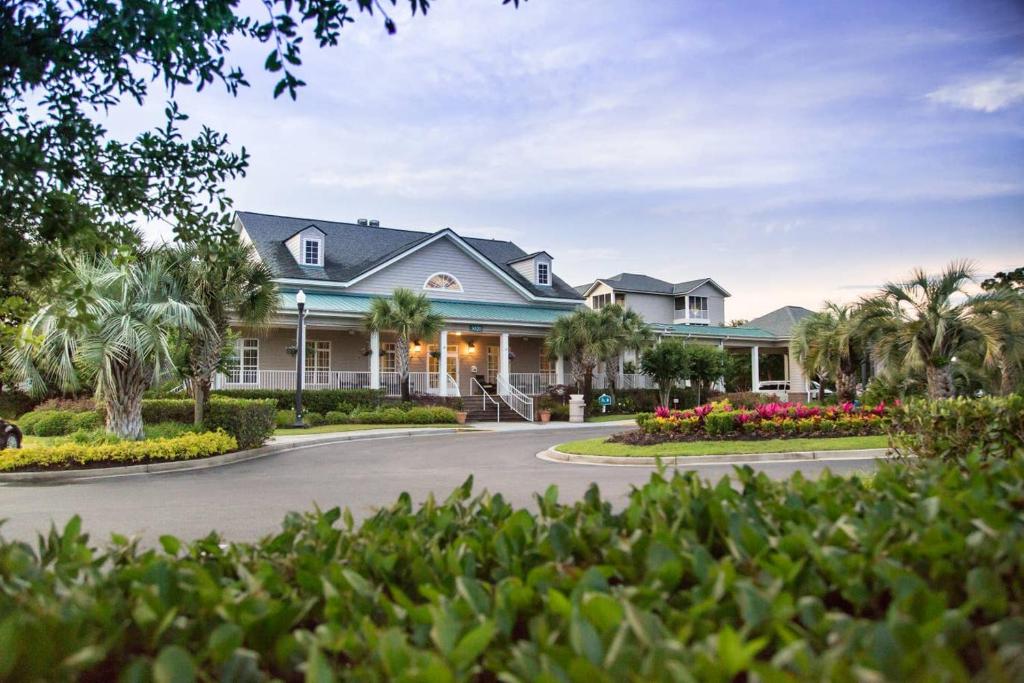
554, 455
71, 476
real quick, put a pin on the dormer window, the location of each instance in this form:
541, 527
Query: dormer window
543, 274
312, 251
443, 281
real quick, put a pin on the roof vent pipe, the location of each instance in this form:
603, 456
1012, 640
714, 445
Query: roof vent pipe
362, 221
374, 224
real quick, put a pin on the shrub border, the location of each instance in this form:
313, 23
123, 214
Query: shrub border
556, 456
67, 476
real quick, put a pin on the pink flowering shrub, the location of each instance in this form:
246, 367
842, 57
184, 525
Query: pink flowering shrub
721, 419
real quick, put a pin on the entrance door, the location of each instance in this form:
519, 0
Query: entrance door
492, 364
434, 364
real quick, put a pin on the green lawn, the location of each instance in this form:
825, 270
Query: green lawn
610, 417
600, 446
34, 441
330, 429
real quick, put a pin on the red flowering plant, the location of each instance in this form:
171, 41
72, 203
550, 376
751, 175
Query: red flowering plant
764, 420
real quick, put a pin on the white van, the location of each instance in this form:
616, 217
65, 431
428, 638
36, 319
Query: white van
782, 385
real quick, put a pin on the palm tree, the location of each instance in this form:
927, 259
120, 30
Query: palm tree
629, 333
926, 320
824, 344
409, 316
113, 324
585, 337
226, 281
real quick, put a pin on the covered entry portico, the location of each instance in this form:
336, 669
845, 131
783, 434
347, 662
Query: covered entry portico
483, 347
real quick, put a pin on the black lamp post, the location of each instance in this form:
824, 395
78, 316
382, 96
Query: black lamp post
300, 356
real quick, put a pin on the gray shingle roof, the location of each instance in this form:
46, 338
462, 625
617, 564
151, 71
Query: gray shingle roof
780, 322
645, 284
351, 249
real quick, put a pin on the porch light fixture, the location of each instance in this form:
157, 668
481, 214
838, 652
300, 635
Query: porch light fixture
471, 345
300, 356
416, 346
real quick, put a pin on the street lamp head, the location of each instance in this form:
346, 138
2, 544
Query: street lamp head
300, 298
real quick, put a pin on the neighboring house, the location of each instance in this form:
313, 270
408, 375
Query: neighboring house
497, 300
694, 310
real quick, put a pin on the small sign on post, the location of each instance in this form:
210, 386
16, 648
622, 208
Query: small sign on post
604, 400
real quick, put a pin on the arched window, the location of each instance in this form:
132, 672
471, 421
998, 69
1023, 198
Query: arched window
443, 281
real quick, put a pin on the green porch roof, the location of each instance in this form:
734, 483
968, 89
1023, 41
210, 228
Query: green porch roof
357, 304
714, 331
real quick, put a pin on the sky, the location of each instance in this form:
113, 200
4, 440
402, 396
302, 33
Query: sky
794, 152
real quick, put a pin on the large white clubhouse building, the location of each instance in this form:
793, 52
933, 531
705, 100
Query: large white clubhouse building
498, 303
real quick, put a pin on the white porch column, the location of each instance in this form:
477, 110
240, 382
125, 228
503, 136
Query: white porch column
560, 370
720, 383
785, 367
686, 307
442, 364
503, 364
755, 369
375, 360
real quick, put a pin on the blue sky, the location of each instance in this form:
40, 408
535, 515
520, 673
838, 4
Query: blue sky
792, 151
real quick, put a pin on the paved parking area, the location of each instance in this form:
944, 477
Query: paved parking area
247, 500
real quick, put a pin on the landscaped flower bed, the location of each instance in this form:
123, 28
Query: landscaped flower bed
188, 446
721, 420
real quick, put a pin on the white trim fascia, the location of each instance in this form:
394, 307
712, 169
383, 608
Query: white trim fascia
593, 284
703, 282
243, 238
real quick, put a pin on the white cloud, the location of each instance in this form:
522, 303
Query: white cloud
988, 93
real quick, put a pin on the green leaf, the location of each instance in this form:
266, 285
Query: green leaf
224, 640
473, 644
170, 544
585, 640
358, 583
318, 670
174, 665
603, 611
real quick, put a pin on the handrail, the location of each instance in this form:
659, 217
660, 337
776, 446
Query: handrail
486, 397
515, 399
453, 386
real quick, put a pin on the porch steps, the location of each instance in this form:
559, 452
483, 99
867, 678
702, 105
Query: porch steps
476, 413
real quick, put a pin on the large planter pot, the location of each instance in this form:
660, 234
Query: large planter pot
460, 416
545, 416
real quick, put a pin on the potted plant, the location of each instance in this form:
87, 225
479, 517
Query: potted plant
292, 350
544, 412
460, 411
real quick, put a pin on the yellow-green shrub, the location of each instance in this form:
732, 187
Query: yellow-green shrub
70, 455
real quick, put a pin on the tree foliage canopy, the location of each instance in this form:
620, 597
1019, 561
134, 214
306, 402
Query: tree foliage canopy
65, 181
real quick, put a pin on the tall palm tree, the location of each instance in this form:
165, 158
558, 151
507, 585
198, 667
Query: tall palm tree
585, 337
824, 344
926, 320
409, 316
629, 332
225, 281
113, 325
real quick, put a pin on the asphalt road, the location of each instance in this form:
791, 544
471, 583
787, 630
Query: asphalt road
249, 499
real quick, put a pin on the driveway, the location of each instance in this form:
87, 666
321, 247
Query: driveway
248, 500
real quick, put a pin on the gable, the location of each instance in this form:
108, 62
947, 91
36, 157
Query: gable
442, 256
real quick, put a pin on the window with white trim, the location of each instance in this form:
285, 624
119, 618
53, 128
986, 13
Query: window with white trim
243, 366
318, 362
699, 307
543, 274
600, 301
387, 357
312, 251
443, 281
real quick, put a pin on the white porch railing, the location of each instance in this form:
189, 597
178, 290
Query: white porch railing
532, 383
453, 386
515, 399
391, 383
285, 379
475, 388
636, 381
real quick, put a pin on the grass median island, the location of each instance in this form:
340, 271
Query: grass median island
601, 446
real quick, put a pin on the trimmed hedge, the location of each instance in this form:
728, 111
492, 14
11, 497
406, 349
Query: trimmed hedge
392, 415
954, 427
915, 574
251, 422
71, 455
316, 400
